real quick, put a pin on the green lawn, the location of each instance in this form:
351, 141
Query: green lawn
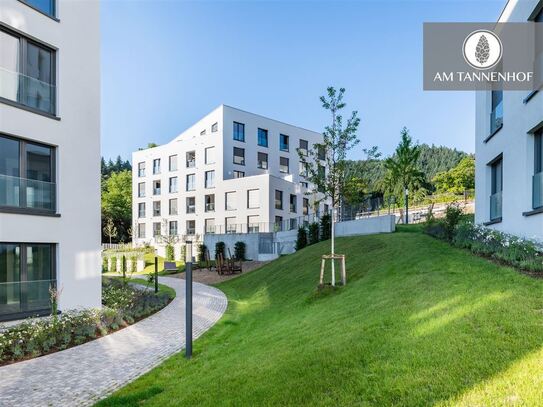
419, 323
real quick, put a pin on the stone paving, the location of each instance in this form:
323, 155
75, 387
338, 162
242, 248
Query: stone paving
84, 374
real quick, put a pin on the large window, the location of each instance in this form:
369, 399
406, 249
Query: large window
141, 169
191, 159
496, 188
157, 187
141, 230
45, 6
230, 225
210, 179
172, 228
283, 165
191, 182
191, 204
252, 224
209, 225
209, 201
172, 163
173, 206
239, 156
214, 127
156, 208
27, 272
283, 142
278, 199
293, 199
263, 137
173, 185
538, 171
305, 206
156, 166
141, 210
141, 190
191, 227
262, 161
230, 201
210, 155
239, 174
496, 115
303, 147
253, 199
27, 72
239, 131
27, 175
156, 229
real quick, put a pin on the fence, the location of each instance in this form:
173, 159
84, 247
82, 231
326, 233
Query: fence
116, 246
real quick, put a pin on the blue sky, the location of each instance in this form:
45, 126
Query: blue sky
165, 64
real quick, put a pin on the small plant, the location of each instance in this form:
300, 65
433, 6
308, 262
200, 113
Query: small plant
104, 264
453, 214
113, 264
219, 249
169, 252
54, 296
313, 233
239, 250
133, 264
202, 249
301, 240
326, 227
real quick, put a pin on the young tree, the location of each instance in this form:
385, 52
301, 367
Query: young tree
402, 171
168, 239
110, 230
117, 202
339, 137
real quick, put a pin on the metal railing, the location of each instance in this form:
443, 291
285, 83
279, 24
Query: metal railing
27, 90
496, 205
496, 118
27, 193
25, 296
537, 190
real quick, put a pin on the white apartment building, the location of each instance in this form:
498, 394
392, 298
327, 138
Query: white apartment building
509, 148
49, 155
231, 172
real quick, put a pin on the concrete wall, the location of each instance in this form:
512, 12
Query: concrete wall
366, 226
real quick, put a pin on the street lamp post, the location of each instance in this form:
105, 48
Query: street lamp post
188, 302
406, 205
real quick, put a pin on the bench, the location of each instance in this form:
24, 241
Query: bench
170, 266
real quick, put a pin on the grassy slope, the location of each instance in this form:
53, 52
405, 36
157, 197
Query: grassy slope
419, 323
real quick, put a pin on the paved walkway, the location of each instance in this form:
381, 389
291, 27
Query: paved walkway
82, 375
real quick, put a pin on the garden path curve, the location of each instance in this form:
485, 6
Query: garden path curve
84, 374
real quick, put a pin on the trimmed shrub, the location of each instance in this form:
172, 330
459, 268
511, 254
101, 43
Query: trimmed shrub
219, 248
453, 214
184, 252
202, 249
301, 240
169, 253
104, 264
113, 264
314, 232
326, 227
133, 264
239, 250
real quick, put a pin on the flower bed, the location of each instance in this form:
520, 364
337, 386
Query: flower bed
122, 306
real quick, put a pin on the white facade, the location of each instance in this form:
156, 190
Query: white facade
49, 155
241, 205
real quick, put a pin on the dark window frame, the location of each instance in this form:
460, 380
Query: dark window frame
242, 157
281, 144
264, 133
54, 6
237, 126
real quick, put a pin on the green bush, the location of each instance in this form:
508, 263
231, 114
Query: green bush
104, 264
453, 214
169, 253
314, 232
326, 227
202, 249
133, 264
301, 240
113, 264
184, 252
239, 250
219, 248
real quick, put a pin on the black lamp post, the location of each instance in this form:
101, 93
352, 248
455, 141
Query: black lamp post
406, 205
188, 299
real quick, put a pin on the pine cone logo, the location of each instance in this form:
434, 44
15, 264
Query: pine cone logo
482, 50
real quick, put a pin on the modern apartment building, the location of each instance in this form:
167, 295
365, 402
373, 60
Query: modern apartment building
509, 148
49, 155
231, 172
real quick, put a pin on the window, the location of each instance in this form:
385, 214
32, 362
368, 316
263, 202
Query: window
239, 156
141, 190
537, 189
278, 199
210, 155
305, 206
253, 199
209, 225
27, 270
214, 127
156, 208
239, 174
262, 161
538, 65
141, 169
283, 142
496, 188
191, 159
326, 209
45, 6
172, 163
156, 229
263, 137
203, 132
230, 225
303, 169
496, 115
141, 210
304, 184
283, 165
156, 166
209, 201
303, 147
321, 152
252, 224
210, 179
230, 201
28, 72
293, 199
293, 223
156, 187
239, 131
321, 171
173, 185
27, 175
278, 223
191, 182
191, 204
172, 228
141, 230
173, 206
191, 227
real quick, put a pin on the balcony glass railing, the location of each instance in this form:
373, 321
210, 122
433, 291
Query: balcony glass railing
496, 118
210, 207
496, 206
27, 91
537, 191
27, 193
25, 296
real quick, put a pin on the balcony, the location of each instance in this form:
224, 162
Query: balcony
27, 91
496, 118
537, 190
28, 194
496, 206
